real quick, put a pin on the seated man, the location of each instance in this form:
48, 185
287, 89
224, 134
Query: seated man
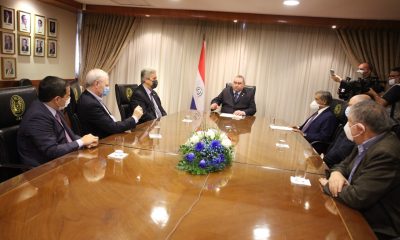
145, 96
369, 178
94, 115
43, 134
321, 125
236, 99
341, 146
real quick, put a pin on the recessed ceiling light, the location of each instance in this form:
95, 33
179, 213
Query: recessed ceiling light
291, 2
147, 15
235, 21
333, 26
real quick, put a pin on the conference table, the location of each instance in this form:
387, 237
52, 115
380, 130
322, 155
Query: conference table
88, 195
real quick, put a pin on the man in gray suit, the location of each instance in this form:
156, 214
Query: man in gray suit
369, 178
43, 134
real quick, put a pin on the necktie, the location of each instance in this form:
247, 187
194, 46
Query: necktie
58, 118
308, 123
236, 97
158, 112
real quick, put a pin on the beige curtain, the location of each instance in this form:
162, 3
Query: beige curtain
288, 64
380, 47
103, 38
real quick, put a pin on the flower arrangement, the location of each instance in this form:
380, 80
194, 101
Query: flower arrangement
205, 152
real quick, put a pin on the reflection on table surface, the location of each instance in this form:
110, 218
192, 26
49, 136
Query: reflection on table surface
87, 195
255, 142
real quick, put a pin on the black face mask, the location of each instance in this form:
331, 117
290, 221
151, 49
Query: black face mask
154, 85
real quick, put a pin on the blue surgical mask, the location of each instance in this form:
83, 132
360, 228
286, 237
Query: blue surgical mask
106, 91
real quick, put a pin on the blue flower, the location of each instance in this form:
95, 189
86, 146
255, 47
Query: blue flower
190, 157
199, 146
202, 163
215, 143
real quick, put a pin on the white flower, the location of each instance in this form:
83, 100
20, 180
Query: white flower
210, 133
194, 138
226, 142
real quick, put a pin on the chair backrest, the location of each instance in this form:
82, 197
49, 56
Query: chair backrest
25, 82
13, 102
338, 108
123, 93
247, 87
71, 108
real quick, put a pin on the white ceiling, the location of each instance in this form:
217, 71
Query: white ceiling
354, 9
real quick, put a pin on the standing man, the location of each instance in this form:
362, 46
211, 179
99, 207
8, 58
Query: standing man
321, 125
236, 99
43, 134
93, 113
145, 96
369, 178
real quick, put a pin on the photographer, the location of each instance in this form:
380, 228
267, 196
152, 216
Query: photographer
349, 88
392, 96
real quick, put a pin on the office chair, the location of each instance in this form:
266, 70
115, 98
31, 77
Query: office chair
123, 93
14, 102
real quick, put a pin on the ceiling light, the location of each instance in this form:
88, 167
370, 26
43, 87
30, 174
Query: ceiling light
333, 26
235, 21
147, 15
291, 2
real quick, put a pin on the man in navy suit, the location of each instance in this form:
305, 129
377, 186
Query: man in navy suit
236, 99
145, 96
93, 113
43, 134
321, 125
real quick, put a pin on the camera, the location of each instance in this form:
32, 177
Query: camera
349, 87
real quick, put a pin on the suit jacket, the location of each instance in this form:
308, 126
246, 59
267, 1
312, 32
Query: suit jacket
96, 120
246, 101
339, 150
375, 186
41, 137
25, 48
322, 128
140, 98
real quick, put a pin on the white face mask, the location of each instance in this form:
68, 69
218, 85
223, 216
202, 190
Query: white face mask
392, 81
360, 71
66, 104
347, 131
347, 111
314, 106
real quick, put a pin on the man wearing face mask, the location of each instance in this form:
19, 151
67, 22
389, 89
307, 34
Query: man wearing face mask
43, 134
93, 113
369, 178
145, 96
321, 125
392, 96
341, 147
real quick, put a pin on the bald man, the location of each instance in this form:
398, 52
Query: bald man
341, 146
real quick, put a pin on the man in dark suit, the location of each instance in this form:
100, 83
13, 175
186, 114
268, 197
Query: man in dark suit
25, 46
236, 99
321, 125
369, 178
93, 113
341, 146
43, 134
145, 96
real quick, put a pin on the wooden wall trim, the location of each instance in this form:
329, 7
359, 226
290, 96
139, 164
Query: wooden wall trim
244, 17
68, 5
15, 83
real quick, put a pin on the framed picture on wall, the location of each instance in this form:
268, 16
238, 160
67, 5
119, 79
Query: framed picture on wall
40, 25
52, 27
8, 68
24, 22
39, 47
7, 18
24, 45
7, 43
52, 48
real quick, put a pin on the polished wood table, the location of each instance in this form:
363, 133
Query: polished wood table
86, 195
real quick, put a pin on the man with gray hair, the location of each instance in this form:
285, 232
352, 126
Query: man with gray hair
93, 113
145, 96
369, 178
321, 125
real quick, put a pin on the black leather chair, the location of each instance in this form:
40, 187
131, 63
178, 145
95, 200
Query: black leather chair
25, 82
123, 93
71, 109
13, 103
247, 87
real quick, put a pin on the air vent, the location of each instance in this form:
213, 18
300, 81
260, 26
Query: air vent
132, 3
